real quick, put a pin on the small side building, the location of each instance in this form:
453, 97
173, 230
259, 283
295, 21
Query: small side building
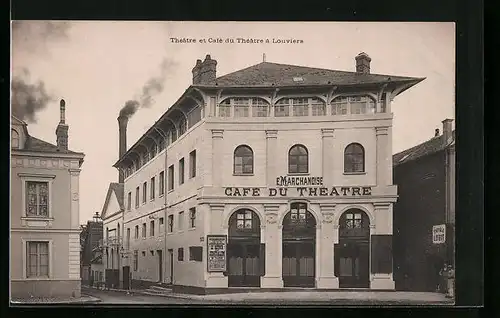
91, 259
425, 176
44, 214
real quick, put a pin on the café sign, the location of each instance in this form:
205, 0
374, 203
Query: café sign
301, 186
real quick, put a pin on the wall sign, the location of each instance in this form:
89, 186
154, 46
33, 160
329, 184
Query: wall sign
298, 191
216, 253
439, 234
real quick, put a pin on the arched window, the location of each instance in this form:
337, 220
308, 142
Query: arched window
152, 151
14, 139
162, 144
182, 126
225, 108
260, 107
354, 158
299, 222
298, 161
243, 160
173, 135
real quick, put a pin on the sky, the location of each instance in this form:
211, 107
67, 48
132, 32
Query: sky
98, 66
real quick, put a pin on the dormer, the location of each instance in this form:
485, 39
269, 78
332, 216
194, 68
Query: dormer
18, 133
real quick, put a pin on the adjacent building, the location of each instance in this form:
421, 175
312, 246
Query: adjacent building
44, 214
425, 176
272, 176
92, 270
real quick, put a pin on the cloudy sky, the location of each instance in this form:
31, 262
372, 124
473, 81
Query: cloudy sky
97, 66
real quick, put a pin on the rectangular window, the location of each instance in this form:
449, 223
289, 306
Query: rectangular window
37, 199
192, 217
170, 223
136, 260
129, 201
181, 220
152, 228
137, 197
162, 183
37, 260
180, 254
318, 107
300, 107
339, 106
181, 171
192, 164
171, 177
136, 234
161, 225
196, 253
143, 229
241, 107
144, 191
128, 238
282, 108
259, 108
194, 116
152, 189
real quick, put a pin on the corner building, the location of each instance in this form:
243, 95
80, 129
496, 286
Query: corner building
273, 176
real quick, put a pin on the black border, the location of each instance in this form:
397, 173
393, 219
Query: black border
469, 116
225, 252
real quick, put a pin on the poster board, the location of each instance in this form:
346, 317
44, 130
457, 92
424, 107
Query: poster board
216, 253
439, 234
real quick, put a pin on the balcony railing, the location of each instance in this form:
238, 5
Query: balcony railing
112, 241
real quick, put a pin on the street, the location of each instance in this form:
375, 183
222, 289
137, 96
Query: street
351, 299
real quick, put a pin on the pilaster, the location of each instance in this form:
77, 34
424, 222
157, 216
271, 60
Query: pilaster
271, 141
384, 160
75, 197
217, 148
326, 277
273, 241
327, 159
383, 218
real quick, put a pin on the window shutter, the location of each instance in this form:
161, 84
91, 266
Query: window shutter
336, 258
262, 259
381, 248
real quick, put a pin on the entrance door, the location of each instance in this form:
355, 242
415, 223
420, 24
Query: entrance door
160, 265
298, 264
171, 261
352, 261
243, 264
126, 277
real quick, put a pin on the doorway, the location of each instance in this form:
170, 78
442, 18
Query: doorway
352, 253
244, 250
299, 247
159, 253
171, 265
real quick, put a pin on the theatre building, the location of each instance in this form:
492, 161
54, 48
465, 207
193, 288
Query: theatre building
272, 176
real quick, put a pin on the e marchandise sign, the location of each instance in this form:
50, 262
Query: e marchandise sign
298, 182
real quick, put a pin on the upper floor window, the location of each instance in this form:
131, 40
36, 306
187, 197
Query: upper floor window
282, 108
162, 182
181, 171
241, 107
152, 151
354, 158
192, 164
353, 105
243, 160
162, 144
173, 135
182, 126
129, 201
152, 189
136, 233
14, 139
225, 108
170, 224
298, 161
194, 116
318, 107
144, 191
143, 229
171, 177
37, 199
192, 217
260, 107
137, 197
300, 106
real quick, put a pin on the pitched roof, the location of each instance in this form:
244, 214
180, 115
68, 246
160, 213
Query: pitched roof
429, 147
266, 73
116, 189
37, 145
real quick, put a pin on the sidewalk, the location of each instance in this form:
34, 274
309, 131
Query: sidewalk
84, 299
311, 296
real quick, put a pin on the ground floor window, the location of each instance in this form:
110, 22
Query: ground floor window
37, 259
136, 260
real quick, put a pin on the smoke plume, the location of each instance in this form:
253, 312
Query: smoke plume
35, 36
27, 99
151, 88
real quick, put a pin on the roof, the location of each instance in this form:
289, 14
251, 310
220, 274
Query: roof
266, 74
118, 190
429, 147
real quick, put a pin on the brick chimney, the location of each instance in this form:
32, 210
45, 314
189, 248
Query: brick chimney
363, 63
206, 71
196, 72
62, 128
447, 129
122, 130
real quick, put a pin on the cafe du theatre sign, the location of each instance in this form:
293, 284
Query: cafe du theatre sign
298, 186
